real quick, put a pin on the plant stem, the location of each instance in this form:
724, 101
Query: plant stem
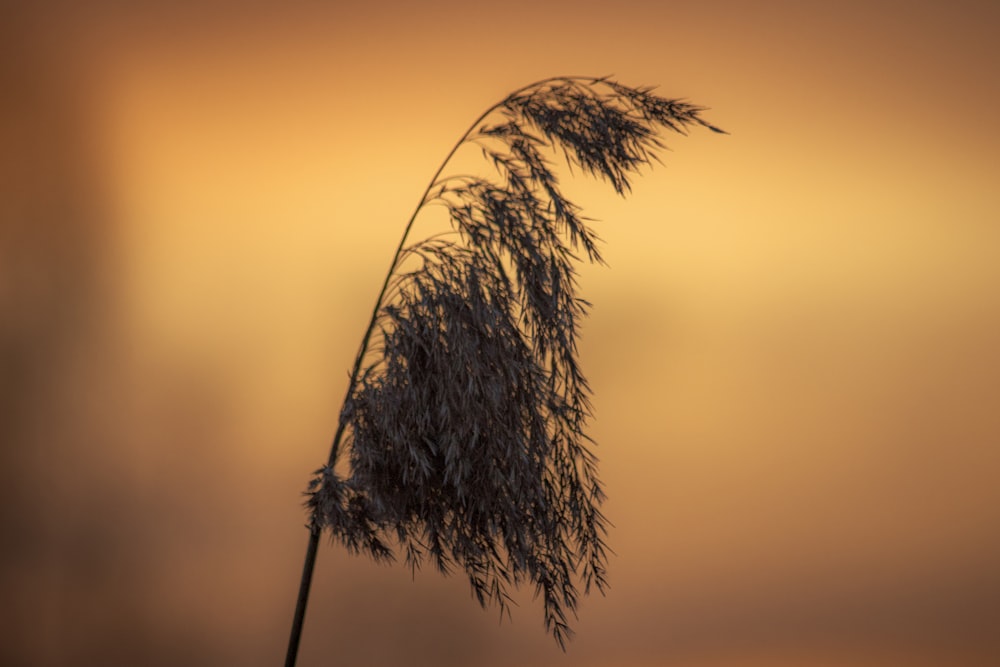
314, 528
402, 244
300, 605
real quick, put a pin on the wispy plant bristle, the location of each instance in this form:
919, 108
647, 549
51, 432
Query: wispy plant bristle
466, 431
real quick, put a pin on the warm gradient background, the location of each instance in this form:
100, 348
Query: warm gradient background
794, 353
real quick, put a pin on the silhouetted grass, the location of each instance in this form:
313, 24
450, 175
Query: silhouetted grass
466, 409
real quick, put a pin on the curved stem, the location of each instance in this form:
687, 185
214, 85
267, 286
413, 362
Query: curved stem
334, 449
314, 526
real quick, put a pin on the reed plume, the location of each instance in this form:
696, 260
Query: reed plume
464, 420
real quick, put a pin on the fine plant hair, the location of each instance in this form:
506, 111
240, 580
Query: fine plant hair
465, 414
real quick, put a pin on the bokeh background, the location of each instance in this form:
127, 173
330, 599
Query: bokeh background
794, 353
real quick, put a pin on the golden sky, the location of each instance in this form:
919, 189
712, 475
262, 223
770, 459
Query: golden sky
793, 352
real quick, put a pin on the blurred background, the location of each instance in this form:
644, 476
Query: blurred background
794, 352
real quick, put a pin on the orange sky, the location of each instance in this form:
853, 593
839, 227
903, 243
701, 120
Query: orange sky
793, 353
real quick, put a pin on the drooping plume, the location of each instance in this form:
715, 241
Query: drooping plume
466, 412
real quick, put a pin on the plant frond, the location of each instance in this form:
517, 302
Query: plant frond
465, 420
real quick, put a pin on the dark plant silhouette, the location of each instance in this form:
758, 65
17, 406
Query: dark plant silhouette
465, 412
